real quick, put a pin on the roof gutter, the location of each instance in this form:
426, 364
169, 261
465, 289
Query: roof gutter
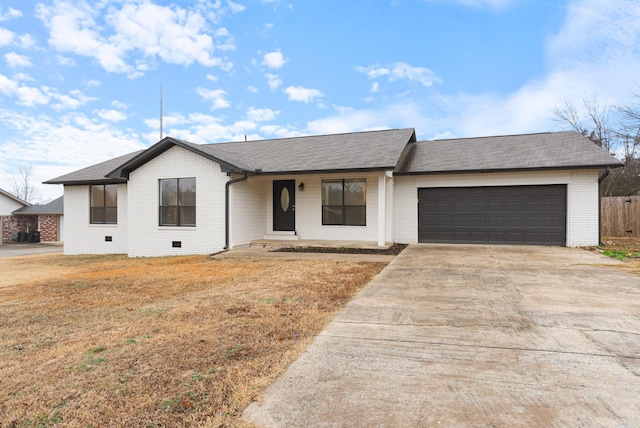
226, 207
604, 175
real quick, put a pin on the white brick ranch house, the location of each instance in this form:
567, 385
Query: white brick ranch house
178, 197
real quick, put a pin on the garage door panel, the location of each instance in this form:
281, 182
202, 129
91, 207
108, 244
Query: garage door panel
496, 215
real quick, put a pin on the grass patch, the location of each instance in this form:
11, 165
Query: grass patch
623, 249
173, 341
621, 255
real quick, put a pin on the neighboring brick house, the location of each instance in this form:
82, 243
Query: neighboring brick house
8, 204
178, 198
47, 219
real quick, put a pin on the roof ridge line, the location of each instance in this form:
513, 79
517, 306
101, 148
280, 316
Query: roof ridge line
307, 136
498, 136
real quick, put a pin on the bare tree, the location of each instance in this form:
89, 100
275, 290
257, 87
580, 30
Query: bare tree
630, 128
595, 123
622, 139
21, 184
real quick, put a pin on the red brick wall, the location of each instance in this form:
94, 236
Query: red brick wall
48, 227
47, 224
11, 225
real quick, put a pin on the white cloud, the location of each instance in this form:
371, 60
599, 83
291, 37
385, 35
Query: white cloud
212, 78
492, 4
235, 7
262, 114
6, 37
299, 93
401, 71
119, 105
172, 119
224, 41
274, 60
10, 14
273, 81
15, 60
142, 29
595, 53
83, 142
252, 89
26, 41
111, 115
279, 131
375, 87
404, 114
7, 86
30, 96
65, 60
215, 96
22, 77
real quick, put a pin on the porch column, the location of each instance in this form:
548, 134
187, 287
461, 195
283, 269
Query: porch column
382, 210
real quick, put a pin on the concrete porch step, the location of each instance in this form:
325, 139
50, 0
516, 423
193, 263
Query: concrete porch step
283, 236
315, 243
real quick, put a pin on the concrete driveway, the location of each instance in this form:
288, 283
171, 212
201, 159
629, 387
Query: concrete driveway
27, 249
452, 336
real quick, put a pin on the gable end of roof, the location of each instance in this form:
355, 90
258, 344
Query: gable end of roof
14, 198
123, 171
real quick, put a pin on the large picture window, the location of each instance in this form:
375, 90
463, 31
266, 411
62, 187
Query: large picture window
178, 202
104, 204
344, 202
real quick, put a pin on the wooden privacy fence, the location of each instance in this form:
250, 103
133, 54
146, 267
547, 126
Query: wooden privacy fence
621, 216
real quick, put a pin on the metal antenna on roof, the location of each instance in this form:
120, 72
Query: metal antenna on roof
161, 111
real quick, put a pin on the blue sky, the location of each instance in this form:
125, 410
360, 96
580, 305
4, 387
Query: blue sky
80, 80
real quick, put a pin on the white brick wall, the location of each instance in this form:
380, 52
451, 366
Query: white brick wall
81, 237
582, 199
309, 209
146, 237
252, 209
582, 209
248, 219
405, 210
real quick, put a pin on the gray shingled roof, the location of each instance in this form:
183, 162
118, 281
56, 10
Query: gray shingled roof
94, 174
354, 151
369, 150
372, 150
551, 150
228, 164
54, 207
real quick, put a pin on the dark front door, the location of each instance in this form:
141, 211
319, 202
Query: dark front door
284, 205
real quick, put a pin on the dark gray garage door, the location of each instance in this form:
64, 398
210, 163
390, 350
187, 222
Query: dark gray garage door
532, 215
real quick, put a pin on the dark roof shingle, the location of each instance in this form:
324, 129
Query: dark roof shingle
551, 150
94, 174
353, 151
54, 207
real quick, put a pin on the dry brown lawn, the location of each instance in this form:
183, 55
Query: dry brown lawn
100, 341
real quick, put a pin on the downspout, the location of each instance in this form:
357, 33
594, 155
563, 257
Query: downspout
226, 208
600, 179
